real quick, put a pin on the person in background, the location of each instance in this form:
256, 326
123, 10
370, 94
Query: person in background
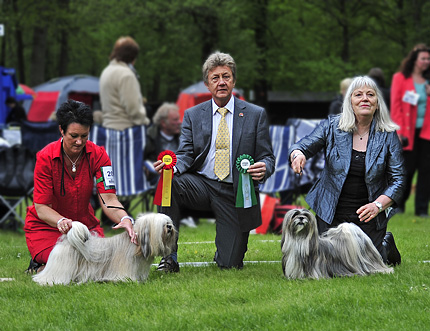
214, 135
378, 76
410, 109
363, 177
336, 104
17, 113
163, 135
120, 96
165, 131
63, 185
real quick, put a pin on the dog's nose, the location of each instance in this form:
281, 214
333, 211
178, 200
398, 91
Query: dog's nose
169, 227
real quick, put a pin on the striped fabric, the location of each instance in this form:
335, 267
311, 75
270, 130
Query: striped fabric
125, 149
282, 138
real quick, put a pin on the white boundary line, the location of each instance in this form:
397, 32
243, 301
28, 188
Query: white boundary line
213, 242
206, 264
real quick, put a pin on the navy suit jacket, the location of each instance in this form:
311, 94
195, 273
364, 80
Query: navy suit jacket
250, 136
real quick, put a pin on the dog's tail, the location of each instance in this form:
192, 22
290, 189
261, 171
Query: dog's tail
78, 236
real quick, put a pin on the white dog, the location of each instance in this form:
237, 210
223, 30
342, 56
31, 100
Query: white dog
342, 251
80, 256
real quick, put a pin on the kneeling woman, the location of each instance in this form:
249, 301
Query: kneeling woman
364, 176
63, 185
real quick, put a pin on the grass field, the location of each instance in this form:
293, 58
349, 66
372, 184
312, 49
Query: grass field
206, 298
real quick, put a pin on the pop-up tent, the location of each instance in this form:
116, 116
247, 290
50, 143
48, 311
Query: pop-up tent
50, 95
8, 88
195, 94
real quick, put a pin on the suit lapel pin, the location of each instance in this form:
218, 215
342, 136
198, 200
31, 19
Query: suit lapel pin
240, 114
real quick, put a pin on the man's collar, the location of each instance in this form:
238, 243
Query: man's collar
229, 105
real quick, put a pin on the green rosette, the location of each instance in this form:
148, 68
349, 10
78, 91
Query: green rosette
245, 197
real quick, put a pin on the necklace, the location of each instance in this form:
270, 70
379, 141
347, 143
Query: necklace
361, 136
76, 161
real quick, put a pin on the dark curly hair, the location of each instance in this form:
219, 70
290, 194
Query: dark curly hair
73, 111
408, 63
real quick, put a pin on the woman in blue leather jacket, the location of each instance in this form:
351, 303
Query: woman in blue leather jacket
364, 177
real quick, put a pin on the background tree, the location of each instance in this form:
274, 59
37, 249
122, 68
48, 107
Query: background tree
280, 45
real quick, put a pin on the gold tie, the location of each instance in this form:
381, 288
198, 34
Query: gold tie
222, 145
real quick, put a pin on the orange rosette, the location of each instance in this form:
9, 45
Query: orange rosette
163, 192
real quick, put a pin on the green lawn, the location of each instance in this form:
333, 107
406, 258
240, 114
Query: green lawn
205, 298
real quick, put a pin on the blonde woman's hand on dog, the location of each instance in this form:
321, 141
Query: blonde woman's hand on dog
367, 212
126, 225
370, 210
298, 161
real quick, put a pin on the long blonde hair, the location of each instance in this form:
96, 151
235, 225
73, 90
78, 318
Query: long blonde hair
381, 117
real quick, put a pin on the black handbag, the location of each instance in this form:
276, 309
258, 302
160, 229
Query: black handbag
16, 170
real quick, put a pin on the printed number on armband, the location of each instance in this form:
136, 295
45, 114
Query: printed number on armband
108, 178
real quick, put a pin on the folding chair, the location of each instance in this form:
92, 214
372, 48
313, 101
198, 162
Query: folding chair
16, 182
12, 204
36, 135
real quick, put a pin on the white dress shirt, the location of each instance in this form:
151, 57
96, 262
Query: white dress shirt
207, 168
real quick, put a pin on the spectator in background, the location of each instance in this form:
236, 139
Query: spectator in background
378, 76
165, 131
410, 109
120, 96
336, 104
17, 113
163, 135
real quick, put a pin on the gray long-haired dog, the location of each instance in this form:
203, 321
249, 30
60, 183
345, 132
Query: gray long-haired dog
80, 256
342, 251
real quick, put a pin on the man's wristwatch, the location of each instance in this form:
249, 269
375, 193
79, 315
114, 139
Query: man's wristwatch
378, 204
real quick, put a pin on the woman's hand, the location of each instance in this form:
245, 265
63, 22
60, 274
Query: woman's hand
64, 225
298, 161
126, 224
367, 212
257, 171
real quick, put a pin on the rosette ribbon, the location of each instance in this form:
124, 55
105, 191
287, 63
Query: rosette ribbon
163, 193
245, 192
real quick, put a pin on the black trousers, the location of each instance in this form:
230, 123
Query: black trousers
369, 228
196, 192
418, 160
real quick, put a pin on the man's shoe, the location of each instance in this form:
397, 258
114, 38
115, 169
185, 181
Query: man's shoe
167, 264
393, 254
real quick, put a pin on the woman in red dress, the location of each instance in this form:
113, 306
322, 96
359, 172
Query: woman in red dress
63, 185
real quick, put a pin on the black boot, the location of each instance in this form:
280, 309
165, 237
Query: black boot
33, 267
393, 254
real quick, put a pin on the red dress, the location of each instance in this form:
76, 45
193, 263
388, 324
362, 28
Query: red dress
74, 204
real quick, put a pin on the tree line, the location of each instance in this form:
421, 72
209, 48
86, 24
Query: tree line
279, 45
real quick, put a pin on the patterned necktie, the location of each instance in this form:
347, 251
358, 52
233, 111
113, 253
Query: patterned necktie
222, 145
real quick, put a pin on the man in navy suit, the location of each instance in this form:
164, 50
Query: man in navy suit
196, 186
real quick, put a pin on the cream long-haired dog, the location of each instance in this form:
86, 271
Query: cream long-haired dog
80, 256
342, 251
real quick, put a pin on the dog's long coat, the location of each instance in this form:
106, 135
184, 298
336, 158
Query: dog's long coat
81, 256
342, 251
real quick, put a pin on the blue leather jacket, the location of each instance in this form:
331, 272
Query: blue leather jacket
385, 172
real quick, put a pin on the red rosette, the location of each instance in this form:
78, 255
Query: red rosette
169, 159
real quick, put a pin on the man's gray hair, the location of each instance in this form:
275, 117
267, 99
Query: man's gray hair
218, 59
163, 112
